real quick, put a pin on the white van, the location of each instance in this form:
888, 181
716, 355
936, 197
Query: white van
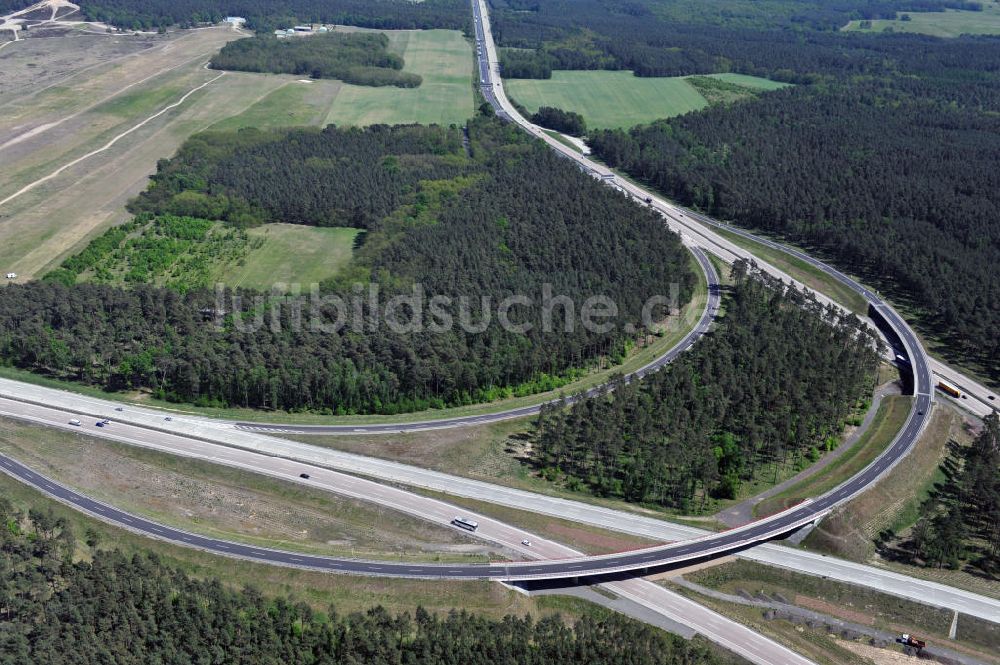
75, 422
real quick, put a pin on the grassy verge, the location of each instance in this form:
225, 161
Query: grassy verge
493, 453
892, 506
233, 504
807, 274
888, 421
641, 355
846, 601
562, 139
320, 590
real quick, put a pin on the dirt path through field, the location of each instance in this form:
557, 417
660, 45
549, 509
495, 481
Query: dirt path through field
109, 144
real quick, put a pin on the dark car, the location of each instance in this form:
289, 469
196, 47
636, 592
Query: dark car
304, 475
100, 423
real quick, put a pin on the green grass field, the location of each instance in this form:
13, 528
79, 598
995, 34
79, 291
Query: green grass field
949, 23
747, 81
294, 103
610, 99
442, 57
292, 253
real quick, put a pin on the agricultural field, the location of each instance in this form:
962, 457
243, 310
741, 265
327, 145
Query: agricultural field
78, 146
442, 58
617, 99
949, 23
185, 253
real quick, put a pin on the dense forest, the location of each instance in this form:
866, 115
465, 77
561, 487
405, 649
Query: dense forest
509, 219
57, 609
566, 122
7, 6
266, 15
899, 182
358, 58
773, 383
790, 40
883, 158
960, 521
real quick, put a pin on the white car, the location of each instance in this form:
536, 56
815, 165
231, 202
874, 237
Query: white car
75, 422
526, 542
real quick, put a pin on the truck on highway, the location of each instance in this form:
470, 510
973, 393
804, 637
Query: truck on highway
908, 640
949, 389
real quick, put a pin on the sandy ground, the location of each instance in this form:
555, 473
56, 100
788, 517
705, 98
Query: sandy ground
880, 656
42, 132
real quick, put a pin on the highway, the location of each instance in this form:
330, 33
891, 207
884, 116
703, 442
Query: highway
711, 544
666, 603
636, 561
221, 443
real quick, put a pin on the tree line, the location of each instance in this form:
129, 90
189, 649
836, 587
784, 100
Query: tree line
960, 520
772, 383
786, 40
266, 15
509, 219
358, 58
58, 608
566, 122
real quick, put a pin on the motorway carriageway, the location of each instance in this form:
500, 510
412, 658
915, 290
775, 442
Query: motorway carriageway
357, 488
652, 597
263, 454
